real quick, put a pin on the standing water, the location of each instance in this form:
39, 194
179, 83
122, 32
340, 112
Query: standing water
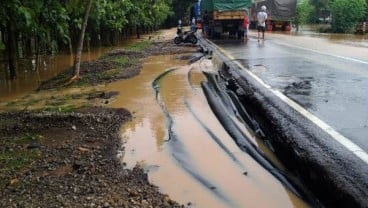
29, 79
170, 136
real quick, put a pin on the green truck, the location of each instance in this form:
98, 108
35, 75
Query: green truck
225, 16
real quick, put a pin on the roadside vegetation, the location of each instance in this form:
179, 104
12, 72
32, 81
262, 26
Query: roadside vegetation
18, 155
347, 14
31, 28
342, 15
303, 11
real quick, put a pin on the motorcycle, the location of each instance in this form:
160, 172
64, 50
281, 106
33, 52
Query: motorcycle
185, 37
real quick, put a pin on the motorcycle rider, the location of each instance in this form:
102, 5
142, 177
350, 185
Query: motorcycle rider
180, 28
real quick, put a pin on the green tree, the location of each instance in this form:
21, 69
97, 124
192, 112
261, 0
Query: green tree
160, 10
36, 26
303, 11
365, 18
9, 12
26, 21
78, 54
181, 9
109, 17
318, 6
140, 15
45, 24
346, 14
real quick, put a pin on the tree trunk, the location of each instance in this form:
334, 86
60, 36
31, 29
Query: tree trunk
28, 47
78, 54
105, 37
126, 33
137, 31
113, 37
70, 46
12, 48
37, 53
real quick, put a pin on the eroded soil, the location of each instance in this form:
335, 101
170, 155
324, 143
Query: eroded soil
68, 157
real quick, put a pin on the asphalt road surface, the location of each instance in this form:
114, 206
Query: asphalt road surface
324, 74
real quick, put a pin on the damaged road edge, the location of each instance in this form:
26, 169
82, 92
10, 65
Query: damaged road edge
334, 174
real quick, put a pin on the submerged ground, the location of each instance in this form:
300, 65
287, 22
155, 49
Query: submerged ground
59, 146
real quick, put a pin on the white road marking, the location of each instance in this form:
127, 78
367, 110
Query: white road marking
324, 53
347, 143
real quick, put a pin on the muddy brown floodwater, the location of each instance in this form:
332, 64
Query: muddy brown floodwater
192, 167
29, 79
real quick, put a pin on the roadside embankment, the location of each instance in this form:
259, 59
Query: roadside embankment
331, 172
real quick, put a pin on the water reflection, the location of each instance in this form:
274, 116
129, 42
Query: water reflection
29, 78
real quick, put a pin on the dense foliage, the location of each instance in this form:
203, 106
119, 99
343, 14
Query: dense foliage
303, 11
55, 23
343, 15
346, 14
365, 17
317, 7
31, 27
181, 10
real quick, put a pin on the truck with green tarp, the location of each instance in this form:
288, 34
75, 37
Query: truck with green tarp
225, 16
280, 14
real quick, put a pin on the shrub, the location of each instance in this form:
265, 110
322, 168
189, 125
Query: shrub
346, 14
303, 12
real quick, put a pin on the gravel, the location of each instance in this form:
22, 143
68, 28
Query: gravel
76, 162
54, 159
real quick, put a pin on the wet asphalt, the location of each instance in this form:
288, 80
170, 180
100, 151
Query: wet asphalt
331, 85
309, 94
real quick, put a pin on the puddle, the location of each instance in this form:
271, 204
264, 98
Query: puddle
175, 136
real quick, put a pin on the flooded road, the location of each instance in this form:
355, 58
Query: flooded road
187, 153
325, 74
175, 136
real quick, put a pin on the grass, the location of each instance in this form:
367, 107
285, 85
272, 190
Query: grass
15, 160
9, 104
139, 46
59, 100
120, 62
32, 101
14, 155
123, 61
110, 73
55, 102
27, 139
82, 82
62, 109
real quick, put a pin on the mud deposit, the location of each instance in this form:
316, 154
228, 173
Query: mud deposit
64, 160
69, 159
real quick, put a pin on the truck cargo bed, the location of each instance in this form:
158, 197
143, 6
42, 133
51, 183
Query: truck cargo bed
228, 15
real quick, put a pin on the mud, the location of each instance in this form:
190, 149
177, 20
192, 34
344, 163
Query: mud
92, 71
69, 159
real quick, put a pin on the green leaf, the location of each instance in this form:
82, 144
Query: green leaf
2, 46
